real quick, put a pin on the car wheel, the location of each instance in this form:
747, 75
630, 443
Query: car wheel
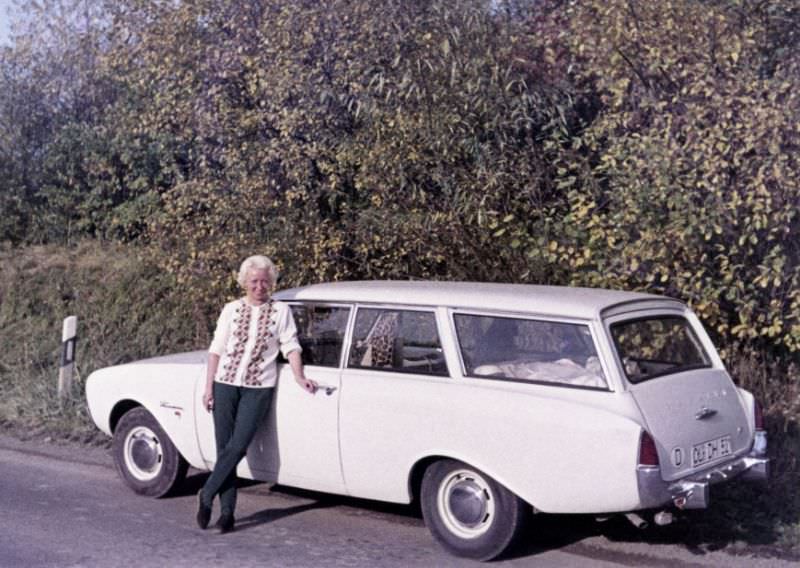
145, 457
468, 512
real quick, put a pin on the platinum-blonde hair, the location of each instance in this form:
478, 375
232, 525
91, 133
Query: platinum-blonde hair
257, 262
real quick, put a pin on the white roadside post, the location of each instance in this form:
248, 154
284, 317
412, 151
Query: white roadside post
68, 341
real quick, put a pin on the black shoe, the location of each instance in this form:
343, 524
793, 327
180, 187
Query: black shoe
225, 522
203, 512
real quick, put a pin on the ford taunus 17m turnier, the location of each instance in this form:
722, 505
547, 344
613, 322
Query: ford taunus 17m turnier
484, 402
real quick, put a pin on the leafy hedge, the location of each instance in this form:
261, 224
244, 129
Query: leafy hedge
687, 182
621, 144
635, 145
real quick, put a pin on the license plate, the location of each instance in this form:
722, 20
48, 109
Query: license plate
711, 450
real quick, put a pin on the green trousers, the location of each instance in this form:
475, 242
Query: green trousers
238, 412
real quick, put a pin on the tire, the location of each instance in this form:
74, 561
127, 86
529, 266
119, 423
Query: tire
468, 512
145, 457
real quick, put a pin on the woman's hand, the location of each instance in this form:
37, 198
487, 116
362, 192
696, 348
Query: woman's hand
296, 363
211, 370
307, 384
208, 400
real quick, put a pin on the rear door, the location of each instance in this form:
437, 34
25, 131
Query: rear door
689, 402
396, 374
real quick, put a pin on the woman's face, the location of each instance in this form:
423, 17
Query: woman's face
257, 285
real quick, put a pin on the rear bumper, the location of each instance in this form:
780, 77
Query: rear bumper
692, 492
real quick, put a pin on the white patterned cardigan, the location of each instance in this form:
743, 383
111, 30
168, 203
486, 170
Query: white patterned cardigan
248, 339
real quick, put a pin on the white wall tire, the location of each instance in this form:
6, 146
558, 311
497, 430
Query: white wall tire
144, 456
469, 513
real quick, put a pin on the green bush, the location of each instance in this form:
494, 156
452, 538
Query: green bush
686, 182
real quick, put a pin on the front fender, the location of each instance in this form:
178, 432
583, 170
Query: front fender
164, 386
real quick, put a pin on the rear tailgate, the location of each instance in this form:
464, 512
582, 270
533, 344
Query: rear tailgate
696, 417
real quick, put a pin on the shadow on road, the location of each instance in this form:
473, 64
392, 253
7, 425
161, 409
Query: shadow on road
271, 515
195, 481
738, 520
732, 523
728, 524
407, 514
190, 486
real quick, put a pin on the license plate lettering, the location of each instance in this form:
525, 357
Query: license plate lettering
711, 450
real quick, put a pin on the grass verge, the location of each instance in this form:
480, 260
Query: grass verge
127, 309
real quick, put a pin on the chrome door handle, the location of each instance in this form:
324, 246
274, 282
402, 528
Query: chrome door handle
704, 413
329, 389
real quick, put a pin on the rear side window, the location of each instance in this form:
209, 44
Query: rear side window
529, 350
397, 340
658, 346
321, 330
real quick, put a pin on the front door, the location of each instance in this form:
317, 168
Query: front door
298, 443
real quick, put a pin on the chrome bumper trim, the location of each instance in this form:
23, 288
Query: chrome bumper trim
692, 492
758, 472
689, 495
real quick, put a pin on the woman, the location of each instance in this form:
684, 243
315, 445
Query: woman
241, 377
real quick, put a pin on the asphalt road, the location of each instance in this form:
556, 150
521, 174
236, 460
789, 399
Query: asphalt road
64, 506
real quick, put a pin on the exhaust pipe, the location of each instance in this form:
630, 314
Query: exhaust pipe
637, 521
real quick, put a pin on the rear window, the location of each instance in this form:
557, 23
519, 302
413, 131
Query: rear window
654, 347
528, 350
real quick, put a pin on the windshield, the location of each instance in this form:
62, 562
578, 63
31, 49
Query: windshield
653, 347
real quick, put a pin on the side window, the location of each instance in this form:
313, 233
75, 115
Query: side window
529, 350
397, 340
321, 332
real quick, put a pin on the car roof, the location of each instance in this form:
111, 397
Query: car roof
558, 301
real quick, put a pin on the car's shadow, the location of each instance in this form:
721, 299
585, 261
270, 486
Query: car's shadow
196, 479
740, 520
729, 524
189, 486
270, 515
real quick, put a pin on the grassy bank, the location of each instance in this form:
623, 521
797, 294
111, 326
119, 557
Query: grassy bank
126, 308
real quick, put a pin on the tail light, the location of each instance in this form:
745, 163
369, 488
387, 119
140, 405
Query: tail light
648, 455
758, 414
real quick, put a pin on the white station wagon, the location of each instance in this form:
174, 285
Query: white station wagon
485, 402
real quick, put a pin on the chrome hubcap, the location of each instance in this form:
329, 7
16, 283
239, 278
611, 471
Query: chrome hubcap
466, 504
143, 454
